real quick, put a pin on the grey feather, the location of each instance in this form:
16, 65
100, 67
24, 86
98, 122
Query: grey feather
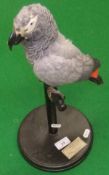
56, 60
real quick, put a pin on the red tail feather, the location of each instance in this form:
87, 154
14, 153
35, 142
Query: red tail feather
94, 74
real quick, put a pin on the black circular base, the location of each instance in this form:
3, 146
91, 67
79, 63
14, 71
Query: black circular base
37, 145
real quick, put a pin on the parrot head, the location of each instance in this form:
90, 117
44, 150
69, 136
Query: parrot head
32, 22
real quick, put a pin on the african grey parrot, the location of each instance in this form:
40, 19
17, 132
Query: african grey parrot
55, 59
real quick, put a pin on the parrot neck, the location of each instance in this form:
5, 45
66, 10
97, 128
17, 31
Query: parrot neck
36, 48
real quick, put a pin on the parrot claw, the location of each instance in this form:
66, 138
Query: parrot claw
57, 98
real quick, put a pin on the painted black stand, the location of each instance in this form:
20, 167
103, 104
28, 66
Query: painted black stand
37, 137
51, 112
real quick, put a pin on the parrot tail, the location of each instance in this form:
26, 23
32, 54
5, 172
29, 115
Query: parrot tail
97, 80
95, 77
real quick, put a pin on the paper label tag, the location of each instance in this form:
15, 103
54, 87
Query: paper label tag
73, 148
62, 143
86, 133
56, 125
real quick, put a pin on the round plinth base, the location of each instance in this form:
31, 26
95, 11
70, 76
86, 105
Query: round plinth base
37, 145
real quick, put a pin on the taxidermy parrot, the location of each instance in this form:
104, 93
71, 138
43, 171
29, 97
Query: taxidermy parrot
56, 60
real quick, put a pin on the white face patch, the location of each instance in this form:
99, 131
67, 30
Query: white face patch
28, 28
31, 25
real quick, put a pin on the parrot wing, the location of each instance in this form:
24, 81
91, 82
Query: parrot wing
56, 70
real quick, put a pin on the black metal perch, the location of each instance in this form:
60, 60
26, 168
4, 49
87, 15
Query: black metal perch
56, 101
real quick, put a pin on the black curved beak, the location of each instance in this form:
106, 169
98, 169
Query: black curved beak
14, 40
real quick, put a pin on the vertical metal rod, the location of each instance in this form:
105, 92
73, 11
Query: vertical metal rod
51, 112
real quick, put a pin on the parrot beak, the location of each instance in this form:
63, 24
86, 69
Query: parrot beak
14, 40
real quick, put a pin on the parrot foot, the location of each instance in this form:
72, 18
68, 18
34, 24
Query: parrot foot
57, 98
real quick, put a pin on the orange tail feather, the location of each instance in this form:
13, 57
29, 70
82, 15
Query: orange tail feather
94, 74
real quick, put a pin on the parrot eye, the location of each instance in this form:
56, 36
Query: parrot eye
30, 26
